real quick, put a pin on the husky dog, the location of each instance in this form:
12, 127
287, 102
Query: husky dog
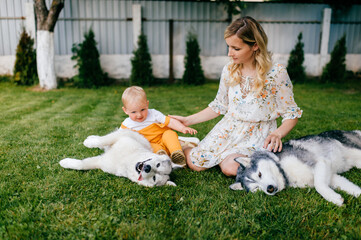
127, 154
313, 161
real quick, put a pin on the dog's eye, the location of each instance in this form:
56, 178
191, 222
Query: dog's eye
158, 165
154, 178
259, 174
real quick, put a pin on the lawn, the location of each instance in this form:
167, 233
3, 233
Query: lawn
41, 200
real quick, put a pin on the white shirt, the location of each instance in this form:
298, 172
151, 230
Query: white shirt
154, 116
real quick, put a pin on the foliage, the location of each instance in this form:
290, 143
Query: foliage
335, 70
87, 56
193, 73
142, 73
295, 68
25, 71
5, 78
41, 200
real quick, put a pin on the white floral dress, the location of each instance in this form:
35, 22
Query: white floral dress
248, 118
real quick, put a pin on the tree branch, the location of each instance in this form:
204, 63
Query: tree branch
46, 20
54, 12
41, 13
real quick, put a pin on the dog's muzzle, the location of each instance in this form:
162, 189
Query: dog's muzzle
142, 166
272, 189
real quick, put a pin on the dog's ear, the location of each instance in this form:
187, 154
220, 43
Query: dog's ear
273, 156
276, 158
243, 161
269, 153
170, 183
236, 186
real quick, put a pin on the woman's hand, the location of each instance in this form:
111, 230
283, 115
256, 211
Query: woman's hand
202, 116
273, 142
181, 119
179, 126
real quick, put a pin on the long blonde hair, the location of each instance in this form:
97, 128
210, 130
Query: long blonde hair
251, 32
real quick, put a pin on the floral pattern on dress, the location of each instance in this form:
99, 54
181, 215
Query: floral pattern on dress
248, 119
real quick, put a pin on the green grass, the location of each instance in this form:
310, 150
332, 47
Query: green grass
41, 200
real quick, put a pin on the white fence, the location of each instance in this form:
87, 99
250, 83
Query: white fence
113, 25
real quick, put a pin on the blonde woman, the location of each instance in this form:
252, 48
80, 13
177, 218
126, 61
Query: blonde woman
252, 94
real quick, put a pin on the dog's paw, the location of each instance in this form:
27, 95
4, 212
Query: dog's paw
177, 166
357, 193
92, 141
338, 201
170, 183
236, 186
70, 163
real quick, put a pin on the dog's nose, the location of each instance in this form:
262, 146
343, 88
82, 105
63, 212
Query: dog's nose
271, 189
147, 168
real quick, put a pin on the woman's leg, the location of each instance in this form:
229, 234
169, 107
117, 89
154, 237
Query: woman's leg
228, 166
189, 162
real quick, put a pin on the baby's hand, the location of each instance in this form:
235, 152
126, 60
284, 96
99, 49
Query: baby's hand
189, 130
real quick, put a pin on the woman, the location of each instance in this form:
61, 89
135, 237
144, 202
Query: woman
252, 94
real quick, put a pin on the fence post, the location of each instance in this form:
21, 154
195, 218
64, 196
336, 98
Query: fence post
325, 38
171, 77
137, 23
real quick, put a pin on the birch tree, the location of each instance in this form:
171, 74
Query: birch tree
46, 20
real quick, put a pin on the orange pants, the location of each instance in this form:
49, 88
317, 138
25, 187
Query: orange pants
161, 137
168, 142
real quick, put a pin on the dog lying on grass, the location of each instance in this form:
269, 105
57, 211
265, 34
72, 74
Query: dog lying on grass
127, 154
313, 161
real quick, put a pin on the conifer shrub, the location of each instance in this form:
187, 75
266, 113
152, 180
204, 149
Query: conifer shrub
87, 56
295, 68
142, 73
335, 69
5, 78
193, 73
25, 71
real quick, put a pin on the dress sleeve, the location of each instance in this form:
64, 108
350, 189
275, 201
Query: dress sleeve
286, 105
220, 103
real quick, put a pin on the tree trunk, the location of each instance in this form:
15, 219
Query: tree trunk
45, 59
45, 54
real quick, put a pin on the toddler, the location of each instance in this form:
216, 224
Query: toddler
153, 125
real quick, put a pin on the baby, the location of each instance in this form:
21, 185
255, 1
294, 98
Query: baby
153, 125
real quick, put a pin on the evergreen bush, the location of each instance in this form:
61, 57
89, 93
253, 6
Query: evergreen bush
142, 73
25, 71
5, 78
295, 68
335, 70
193, 73
87, 56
